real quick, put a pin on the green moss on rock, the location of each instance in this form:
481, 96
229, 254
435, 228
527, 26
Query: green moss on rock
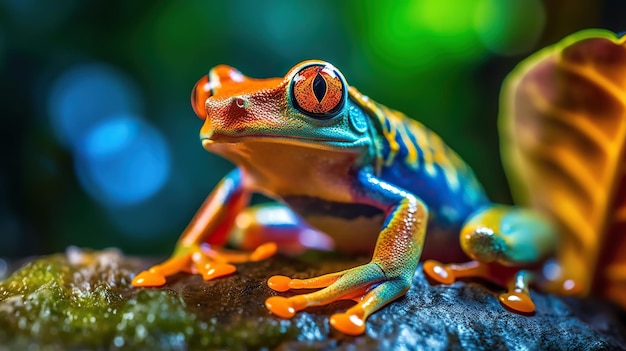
85, 300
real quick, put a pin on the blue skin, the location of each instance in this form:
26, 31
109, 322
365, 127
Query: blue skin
449, 208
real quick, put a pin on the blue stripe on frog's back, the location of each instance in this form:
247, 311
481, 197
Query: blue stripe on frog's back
417, 160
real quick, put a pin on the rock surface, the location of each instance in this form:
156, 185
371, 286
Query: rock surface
83, 300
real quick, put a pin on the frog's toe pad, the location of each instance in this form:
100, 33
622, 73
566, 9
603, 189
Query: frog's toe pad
279, 283
518, 302
438, 272
211, 271
280, 306
348, 323
149, 279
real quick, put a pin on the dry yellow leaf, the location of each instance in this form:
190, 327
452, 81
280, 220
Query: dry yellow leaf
563, 132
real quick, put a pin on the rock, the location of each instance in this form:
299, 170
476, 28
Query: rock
83, 300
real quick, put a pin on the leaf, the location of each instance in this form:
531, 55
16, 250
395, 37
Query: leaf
563, 138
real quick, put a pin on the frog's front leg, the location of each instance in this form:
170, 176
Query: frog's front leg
386, 277
502, 241
196, 250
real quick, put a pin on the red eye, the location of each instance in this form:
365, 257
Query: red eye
201, 91
318, 91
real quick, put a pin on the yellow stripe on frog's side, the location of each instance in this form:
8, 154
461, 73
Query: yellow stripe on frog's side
394, 124
443, 156
398, 127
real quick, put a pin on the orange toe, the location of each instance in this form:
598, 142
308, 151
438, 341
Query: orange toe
348, 323
149, 278
280, 306
438, 272
215, 270
518, 302
279, 283
264, 251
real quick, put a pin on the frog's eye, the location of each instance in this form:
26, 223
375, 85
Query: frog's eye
201, 91
318, 91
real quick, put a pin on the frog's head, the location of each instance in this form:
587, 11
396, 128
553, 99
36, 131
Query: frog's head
309, 107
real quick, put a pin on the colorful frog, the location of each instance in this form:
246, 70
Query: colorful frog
367, 176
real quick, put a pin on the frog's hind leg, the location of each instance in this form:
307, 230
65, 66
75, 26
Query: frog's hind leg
510, 236
501, 240
277, 223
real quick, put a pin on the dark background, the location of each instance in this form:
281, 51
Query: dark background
99, 145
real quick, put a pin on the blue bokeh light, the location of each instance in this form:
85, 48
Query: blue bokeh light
120, 159
123, 161
87, 95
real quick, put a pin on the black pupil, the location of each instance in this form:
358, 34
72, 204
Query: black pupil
319, 87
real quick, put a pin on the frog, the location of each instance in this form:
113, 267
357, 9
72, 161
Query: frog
369, 177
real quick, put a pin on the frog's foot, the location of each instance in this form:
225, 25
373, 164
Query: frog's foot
367, 285
449, 273
517, 298
210, 262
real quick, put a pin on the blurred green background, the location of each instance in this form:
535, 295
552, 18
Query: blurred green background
99, 143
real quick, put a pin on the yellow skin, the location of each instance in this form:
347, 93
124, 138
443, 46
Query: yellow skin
365, 175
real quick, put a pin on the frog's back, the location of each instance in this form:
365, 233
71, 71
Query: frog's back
413, 157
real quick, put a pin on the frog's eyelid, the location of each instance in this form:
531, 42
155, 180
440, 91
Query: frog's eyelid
304, 64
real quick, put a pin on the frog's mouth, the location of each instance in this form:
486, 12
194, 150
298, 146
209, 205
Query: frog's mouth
317, 143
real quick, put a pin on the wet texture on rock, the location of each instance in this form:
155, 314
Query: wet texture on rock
84, 300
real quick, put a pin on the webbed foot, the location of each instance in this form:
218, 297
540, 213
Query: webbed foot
210, 262
367, 285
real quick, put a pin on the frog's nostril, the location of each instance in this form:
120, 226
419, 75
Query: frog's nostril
240, 102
